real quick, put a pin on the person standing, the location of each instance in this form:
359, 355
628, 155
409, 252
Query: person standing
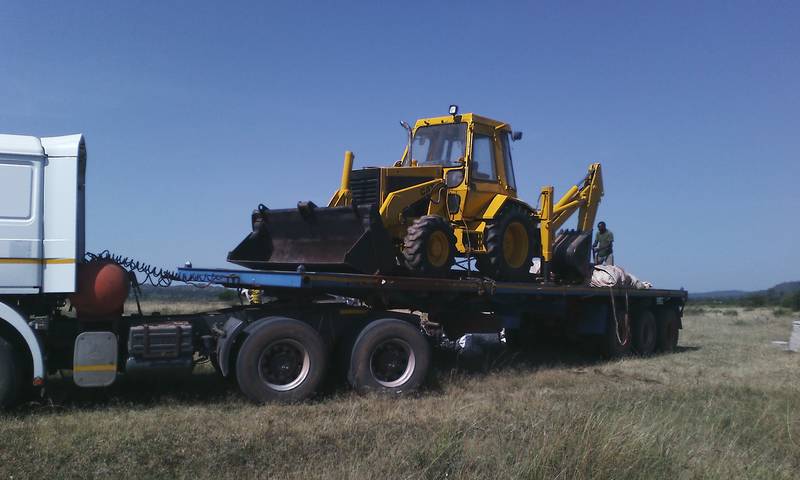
603, 245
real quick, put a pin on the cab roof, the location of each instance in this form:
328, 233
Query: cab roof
462, 118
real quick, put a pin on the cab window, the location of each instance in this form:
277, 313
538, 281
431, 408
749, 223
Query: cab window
483, 158
505, 140
440, 144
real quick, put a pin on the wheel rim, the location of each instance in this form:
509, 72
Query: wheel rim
284, 364
515, 245
392, 363
438, 248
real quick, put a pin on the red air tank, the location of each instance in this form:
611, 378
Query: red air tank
102, 290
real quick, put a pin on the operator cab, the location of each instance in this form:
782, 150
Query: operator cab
466, 146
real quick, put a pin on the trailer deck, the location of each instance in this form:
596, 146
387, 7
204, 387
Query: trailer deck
397, 291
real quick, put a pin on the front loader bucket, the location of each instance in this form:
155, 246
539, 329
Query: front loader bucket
330, 239
571, 260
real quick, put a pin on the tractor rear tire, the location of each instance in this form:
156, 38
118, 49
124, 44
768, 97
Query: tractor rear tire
389, 356
429, 247
668, 329
511, 243
10, 375
282, 360
645, 333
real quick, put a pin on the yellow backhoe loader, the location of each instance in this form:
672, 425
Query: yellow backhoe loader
453, 194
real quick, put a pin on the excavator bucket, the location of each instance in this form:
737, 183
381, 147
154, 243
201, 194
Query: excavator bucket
571, 259
332, 239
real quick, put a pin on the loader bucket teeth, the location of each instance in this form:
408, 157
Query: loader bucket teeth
571, 255
340, 239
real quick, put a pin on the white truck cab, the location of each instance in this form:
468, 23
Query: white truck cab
41, 240
41, 213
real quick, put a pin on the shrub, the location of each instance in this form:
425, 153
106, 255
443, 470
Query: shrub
755, 300
730, 313
791, 301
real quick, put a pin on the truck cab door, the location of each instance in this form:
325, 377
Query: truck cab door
22, 161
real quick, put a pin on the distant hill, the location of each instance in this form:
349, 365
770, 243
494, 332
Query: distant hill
784, 288
773, 294
721, 294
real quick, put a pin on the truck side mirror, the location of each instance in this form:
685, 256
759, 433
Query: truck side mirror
516, 136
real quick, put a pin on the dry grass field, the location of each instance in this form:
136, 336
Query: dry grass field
727, 405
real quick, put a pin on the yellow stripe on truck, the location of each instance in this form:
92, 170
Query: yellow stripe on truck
95, 368
43, 261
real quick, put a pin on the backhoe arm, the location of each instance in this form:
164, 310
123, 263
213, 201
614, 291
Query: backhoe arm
584, 197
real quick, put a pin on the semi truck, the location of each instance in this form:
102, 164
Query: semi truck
62, 308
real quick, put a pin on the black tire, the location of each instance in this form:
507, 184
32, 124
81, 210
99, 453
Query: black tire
645, 333
282, 360
618, 337
429, 247
10, 375
389, 356
668, 329
514, 219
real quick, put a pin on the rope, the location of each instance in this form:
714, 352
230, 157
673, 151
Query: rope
614, 311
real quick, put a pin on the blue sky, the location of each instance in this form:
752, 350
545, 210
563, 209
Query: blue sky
195, 112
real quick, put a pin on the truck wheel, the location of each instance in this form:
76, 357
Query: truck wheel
281, 360
429, 247
10, 375
617, 339
645, 333
668, 329
511, 243
389, 356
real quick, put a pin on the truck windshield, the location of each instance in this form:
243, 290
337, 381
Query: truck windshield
440, 144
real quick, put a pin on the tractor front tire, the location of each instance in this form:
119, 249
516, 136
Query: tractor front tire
511, 243
429, 247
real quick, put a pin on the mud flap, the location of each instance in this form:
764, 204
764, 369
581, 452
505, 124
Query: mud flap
339, 239
571, 259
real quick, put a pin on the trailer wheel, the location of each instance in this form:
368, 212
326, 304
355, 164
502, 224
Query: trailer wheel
429, 247
617, 339
389, 356
645, 333
668, 329
281, 360
511, 243
10, 374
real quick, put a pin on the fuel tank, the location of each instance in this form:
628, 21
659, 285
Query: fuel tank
102, 290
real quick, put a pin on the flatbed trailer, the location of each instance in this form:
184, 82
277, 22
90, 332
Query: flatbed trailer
377, 331
408, 315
